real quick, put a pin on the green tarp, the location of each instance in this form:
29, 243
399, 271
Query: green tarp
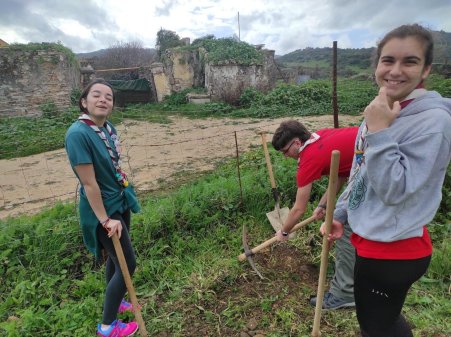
134, 85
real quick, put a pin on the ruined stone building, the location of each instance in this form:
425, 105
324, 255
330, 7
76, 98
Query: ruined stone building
31, 77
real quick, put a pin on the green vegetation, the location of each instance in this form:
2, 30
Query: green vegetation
23, 136
211, 49
230, 50
166, 39
310, 98
187, 238
188, 278
34, 46
440, 84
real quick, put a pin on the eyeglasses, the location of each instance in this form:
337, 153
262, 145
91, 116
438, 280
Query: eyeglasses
288, 148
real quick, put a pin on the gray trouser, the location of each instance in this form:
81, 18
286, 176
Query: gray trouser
342, 284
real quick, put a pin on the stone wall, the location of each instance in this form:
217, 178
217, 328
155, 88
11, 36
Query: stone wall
179, 70
29, 79
160, 80
226, 82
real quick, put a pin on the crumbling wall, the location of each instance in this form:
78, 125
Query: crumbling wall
180, 69
31, 78
160, 80
227, 81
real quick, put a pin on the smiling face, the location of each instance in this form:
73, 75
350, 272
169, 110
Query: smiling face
401, 67
99, 102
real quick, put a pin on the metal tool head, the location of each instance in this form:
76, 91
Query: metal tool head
248, 252
278, 217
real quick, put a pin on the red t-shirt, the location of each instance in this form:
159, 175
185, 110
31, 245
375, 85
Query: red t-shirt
407, 249
314, 160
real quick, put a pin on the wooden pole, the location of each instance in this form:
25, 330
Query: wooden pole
238, 169
332, 191
334, 85
129, 284
239, 30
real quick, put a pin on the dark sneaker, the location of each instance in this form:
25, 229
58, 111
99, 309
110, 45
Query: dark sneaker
330, 302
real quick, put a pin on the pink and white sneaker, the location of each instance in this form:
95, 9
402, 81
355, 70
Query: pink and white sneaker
118, 329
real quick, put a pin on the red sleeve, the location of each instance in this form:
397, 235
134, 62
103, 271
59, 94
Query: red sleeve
309, 171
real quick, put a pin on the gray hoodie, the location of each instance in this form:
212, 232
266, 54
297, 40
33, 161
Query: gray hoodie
397, 189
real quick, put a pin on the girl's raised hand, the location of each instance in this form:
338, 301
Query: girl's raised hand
379, 114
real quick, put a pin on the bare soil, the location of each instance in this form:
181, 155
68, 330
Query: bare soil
264, 307
155, 155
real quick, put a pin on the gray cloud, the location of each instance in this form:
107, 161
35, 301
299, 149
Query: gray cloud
30, 20
165, 9
380, 15
284, 25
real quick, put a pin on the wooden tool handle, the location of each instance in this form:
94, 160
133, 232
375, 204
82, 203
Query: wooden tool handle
331, 196
269, 242
129, 284
268, 161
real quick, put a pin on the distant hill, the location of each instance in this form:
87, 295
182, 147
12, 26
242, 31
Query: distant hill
97, 53
358, 57
352, 61
102, 52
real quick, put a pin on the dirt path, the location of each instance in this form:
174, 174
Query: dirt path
155, 154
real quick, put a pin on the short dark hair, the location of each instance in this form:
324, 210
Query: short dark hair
287, 131
415, 30
88, 87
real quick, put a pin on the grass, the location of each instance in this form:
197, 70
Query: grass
188, 278
187, 240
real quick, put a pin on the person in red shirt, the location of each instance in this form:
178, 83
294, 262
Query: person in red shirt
313, 152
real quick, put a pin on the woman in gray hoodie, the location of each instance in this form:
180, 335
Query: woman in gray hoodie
402, 152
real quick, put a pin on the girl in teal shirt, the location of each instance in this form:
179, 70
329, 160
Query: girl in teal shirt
106, 198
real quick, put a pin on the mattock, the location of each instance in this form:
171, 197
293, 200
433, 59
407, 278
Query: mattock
249, 252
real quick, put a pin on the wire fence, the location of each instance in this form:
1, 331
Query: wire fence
155, 155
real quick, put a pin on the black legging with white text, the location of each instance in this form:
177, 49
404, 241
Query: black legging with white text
116, 287
380, 289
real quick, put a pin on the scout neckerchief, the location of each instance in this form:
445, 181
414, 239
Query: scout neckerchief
361, 144
120, 175
313, 138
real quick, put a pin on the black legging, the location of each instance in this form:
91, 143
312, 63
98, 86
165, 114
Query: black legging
380, 289
116, 287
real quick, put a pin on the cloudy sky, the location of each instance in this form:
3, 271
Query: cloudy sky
282, 25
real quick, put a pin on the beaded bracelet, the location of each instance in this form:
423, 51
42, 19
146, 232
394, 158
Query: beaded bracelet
105, 222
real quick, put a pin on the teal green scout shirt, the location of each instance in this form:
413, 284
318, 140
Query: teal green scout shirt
84, 146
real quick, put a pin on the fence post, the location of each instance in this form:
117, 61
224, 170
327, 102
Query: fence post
334, 85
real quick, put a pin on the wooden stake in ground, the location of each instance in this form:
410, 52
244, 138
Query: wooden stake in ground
129, 284
331, 196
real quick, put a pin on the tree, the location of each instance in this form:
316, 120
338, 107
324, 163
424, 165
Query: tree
166, 39
126, 54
